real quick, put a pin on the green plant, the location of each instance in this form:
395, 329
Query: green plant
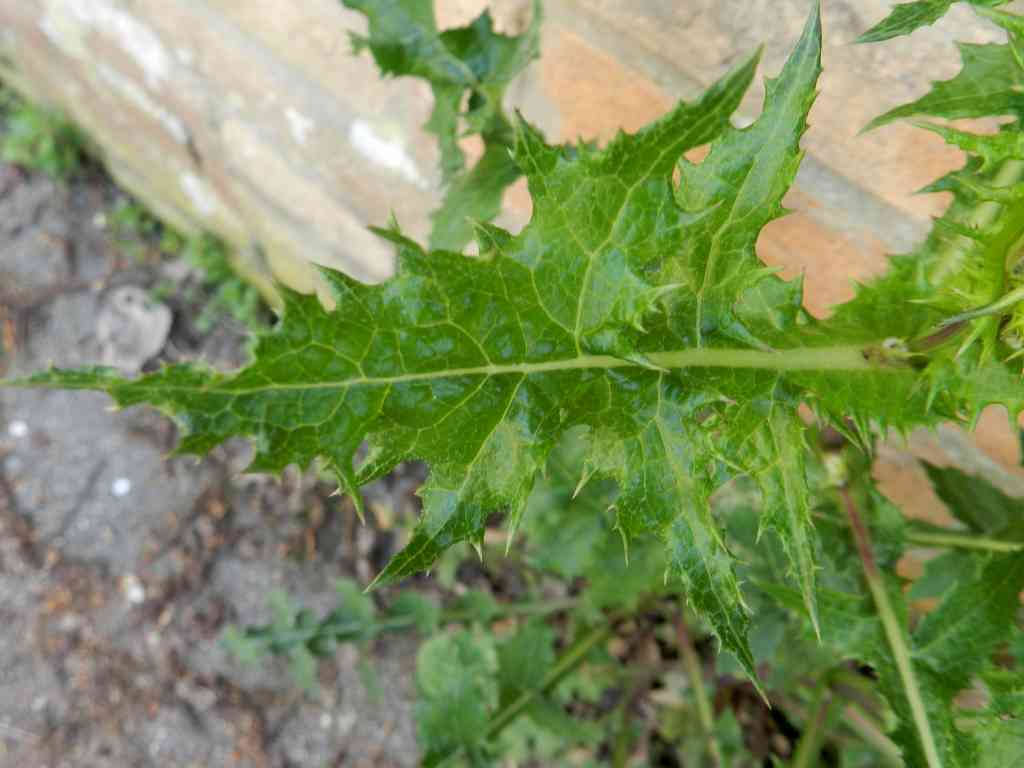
40, 138
629, 343
229, 293
470, 65
138, 232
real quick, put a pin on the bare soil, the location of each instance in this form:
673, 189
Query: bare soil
120, 567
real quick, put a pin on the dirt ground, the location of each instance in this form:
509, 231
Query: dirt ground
120, 568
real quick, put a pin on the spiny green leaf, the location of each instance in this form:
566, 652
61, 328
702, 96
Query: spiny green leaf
941, 573
977, 615
524, 659
961, 318
973, 500
773, 451
1000, 727
635, 311
473, 196
953, 644
405, 41
569, 531
989, 84
908, 17
1006, 688
469, 65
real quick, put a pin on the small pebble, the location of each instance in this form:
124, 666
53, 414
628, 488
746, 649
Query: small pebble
122, 486
133, 590
17, 428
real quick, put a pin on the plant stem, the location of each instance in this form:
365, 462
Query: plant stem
948, 538
866, 729
823, 711
531, 608
566, 663
853, 357
962, 541
980, 217
623, 740
693, 671
894, 633
998, 307
350, 629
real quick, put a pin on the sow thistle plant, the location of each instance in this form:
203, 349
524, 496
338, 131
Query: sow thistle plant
604, 374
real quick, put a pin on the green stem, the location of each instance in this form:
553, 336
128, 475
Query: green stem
566, 663
1011, 172
962, 541
696, 675
823, 709
998, 307
950, 539
894, 632
352, 629
855, 357
623, 738
866, 729
982, 216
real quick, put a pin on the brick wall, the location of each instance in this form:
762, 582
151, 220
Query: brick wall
252, 118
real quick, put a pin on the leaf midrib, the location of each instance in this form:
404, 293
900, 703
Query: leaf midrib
839, 358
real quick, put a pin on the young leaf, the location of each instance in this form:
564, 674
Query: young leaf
908, 17
404, 40
474, 195
456, 681
524, 659
472, 65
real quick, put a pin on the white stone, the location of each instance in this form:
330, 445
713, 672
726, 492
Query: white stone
121, 486
132, 589
17, 428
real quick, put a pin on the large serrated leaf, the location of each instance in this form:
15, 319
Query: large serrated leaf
629, 308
